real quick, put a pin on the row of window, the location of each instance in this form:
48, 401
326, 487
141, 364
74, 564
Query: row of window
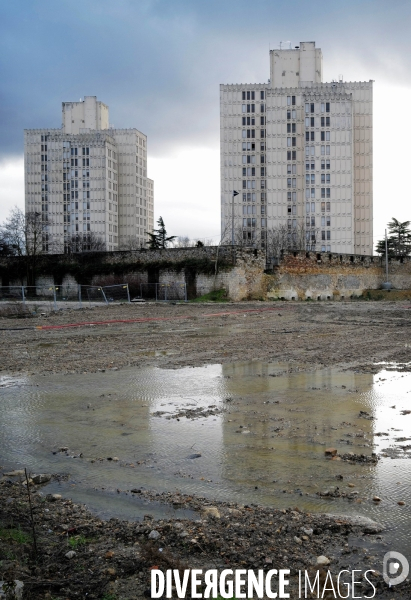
86, 227
325, 235
251, 209
310, 178
250, 133
310, 192
252, 222
251, 184
250, 172
75, 195
76, 162
74, 174
325, 206
250, 121
249, 196
310, 107
325, 164
67, 218
74, 185
310, 150
75, 151
250, 95
250, 146
250, 108
310, 221
74, 205
310, 136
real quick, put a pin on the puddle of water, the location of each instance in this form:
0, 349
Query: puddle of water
123, 505
265, 443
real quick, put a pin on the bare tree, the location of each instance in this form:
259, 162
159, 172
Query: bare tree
283, 238
84, 242
243, 237
131, 243
183, 241
5, 248
26, 235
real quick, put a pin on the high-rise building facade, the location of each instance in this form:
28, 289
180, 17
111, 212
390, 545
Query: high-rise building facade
299, 152
89, 181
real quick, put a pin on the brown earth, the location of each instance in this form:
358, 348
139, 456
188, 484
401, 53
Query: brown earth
350, 334
113, 559
69, 553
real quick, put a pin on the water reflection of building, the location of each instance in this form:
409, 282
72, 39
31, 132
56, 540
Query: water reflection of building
280, 423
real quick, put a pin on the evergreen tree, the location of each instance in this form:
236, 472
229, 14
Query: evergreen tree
159, 239
398, 240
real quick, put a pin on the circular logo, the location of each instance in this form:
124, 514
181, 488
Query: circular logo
395, 568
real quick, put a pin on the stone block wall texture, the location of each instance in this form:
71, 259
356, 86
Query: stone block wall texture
333, 276
243, 274
246, 279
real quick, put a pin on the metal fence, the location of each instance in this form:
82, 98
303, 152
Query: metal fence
54, 297
106, 293
163, 292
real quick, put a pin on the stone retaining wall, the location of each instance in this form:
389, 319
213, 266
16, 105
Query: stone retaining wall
242, 272
332, 276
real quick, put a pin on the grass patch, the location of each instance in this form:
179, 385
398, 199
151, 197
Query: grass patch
77, 541
14, 535
214, 296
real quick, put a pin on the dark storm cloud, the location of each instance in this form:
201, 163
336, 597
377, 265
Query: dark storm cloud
158, 63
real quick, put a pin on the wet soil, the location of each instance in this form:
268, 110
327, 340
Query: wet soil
70, 553
112, 559
353, 335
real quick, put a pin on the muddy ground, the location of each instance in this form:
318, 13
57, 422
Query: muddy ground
353, 335
112, 559
72, 554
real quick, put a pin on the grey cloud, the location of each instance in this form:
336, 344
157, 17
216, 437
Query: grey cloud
158, 64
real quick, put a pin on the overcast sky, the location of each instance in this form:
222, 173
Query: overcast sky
158, 65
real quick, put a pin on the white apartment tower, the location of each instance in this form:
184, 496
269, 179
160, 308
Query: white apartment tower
89, 181
299, 152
